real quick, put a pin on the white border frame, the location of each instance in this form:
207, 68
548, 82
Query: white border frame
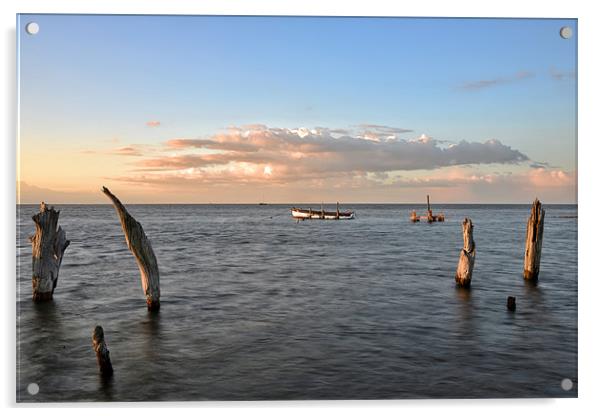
589, 151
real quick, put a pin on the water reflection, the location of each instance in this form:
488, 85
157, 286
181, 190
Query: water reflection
465, 312
151, 334
106, 386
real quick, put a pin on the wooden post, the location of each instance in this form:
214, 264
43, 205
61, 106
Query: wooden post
102, 352
142, 250
414, 217
338, 213
533, 241
48, 245
429, 213
511, 303
467, 256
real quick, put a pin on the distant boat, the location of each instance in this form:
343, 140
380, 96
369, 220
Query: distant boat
310, 214
263, 203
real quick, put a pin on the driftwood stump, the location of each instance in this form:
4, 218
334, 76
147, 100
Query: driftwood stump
142, 250
467, 256
533, 241
102, 352
48, 245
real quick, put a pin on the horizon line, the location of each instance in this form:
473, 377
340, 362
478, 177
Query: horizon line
298, 203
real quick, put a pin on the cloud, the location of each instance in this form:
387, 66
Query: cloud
561, 75
486, 83
461, 185
31, 194
537, 165
127, 151
153, 123
241, 154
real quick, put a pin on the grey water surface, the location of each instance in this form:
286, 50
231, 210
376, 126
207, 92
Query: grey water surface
255, 306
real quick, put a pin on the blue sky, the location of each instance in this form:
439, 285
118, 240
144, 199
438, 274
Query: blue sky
87, 80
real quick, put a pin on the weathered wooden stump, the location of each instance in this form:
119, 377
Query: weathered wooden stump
102, 352
467, 256
142, 250
533, 241
48, 245
511, 303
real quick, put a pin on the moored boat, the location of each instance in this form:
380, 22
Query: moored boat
310, 214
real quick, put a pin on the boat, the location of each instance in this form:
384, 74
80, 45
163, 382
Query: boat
310, 214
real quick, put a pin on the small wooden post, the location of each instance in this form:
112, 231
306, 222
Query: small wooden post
48, 245
414, 217
142, 250
533, 241
338, 213
511, 303
467, 256
102, 352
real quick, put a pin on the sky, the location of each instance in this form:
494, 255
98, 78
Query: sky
208, 109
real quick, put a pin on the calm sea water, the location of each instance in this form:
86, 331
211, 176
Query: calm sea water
255, 306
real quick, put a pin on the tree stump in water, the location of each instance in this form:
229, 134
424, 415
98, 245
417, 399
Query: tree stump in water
467, 256
533, 241
142, 250
48, 245
102, 352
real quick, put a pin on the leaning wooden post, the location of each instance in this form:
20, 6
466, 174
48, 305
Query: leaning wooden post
102, 352
467, 256
48, 245
533, 241
142, 250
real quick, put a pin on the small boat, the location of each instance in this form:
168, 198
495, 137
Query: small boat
310, 214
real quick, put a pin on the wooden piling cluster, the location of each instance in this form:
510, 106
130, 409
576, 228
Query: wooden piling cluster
430, 217
533, 241
142, 250
48, 246
467, 256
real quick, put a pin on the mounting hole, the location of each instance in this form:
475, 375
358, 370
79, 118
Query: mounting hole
566, 32
33, 388
32, 28
566, 384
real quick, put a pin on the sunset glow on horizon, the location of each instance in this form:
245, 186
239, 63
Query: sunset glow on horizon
279, 110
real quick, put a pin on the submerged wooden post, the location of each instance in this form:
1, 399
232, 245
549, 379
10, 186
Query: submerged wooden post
467, 256
48, 245
414, 217
102, 352
533, 241
142, 250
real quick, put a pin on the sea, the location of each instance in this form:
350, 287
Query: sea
258, 306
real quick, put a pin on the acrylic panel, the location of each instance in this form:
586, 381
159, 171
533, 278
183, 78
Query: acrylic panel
292, 208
